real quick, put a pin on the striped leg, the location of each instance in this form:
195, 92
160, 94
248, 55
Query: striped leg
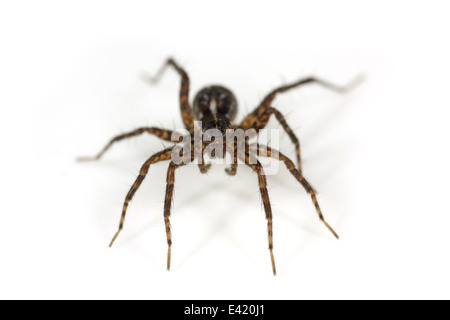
160, 133
187, 158
262, 121
204, 168
266, 151
291, 134
232, 149
160, 156
233, 168
257, 167
267, 101
168, 204
186, 109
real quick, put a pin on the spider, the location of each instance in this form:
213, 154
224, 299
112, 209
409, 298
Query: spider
215, 107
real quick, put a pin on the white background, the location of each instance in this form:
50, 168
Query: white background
70, 79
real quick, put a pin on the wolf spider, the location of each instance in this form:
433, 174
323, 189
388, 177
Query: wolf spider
216, 107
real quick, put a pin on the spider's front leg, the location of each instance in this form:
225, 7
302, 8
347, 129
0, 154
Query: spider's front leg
186, 109
253, 163
160, 156
169, 196
266, 151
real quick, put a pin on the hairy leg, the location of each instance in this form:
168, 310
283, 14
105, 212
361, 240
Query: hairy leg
204, 168
266, 151
160, 156
233, 168
160, 133
261, 122
168, 199
267, 101
186, 109
167, 206
257, 167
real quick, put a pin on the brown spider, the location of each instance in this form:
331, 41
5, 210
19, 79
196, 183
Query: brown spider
216, 107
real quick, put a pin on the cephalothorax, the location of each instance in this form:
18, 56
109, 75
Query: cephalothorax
216, 108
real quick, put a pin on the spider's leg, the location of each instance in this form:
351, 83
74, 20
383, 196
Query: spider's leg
233, 168
258, 168
160, 133
186, 109
262, 121
204, 168
266, 151
157, 157
253, 117
236, 146
169, 195
168, 203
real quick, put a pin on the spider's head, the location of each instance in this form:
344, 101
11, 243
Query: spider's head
216, 107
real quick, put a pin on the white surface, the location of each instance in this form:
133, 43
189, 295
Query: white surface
378, 157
